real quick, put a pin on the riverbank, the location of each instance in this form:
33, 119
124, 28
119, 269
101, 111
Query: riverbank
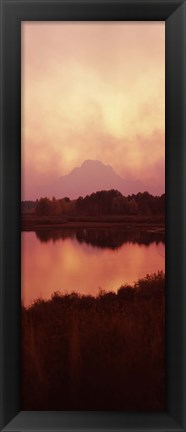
96, 353
148, 223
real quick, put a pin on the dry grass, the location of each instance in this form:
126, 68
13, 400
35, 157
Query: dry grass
103, 353
32, 222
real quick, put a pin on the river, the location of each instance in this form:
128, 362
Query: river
87, 260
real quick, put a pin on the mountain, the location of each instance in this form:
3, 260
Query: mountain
90, 177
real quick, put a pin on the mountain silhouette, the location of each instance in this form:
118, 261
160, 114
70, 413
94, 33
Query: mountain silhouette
92, 176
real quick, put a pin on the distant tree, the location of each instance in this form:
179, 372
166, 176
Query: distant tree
143, 201
103, 202
55, 207
28, 206
43, 207
132, 207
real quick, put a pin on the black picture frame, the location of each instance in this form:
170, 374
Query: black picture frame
174, 14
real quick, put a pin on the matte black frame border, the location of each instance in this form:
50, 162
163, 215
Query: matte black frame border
12, 13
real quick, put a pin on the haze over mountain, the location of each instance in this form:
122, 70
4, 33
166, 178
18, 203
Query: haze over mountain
90, 177
82, 100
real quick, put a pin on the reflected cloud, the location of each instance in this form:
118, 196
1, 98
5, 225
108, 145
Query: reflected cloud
73, 266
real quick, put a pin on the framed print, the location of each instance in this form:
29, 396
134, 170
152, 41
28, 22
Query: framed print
92, 222
101, 339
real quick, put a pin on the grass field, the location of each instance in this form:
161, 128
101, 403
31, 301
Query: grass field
103, 353
32, 222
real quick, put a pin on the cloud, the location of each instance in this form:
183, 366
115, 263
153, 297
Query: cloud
92, 91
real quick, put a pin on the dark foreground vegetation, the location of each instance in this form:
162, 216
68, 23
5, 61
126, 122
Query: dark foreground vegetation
103, 353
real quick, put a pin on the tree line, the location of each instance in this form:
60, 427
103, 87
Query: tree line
100, 203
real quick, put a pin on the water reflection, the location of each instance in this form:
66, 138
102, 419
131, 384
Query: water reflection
112, 238
86, 260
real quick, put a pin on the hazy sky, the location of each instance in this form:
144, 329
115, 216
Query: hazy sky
93, 91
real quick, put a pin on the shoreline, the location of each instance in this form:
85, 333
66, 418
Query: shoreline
147, 223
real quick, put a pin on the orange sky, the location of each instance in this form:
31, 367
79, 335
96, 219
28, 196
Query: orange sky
92, 91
